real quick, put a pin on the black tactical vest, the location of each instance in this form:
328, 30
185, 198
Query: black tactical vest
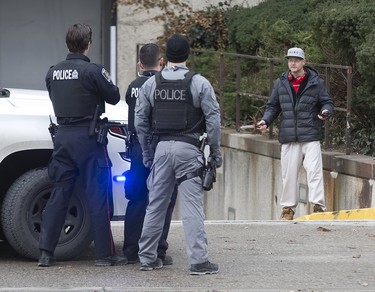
69, 97
174, 112
135, 87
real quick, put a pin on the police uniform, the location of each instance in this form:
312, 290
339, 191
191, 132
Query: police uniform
76, 87
177, 157
135, 185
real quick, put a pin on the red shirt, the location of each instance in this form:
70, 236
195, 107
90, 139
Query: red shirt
296, 82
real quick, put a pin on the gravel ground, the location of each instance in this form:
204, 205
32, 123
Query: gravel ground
252, 256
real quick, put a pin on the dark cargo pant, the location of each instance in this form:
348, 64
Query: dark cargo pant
77, 154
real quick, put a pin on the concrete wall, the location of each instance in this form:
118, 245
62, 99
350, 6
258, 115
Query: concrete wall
136, 26
249, 184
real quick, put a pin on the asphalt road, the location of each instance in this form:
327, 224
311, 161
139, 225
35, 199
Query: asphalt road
252, 256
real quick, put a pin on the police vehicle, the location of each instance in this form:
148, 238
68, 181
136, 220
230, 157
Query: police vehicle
25, 149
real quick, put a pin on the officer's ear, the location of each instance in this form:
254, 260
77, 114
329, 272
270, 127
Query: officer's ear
161, 62
88, 47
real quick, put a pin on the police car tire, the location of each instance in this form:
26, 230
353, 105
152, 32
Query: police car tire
21, 217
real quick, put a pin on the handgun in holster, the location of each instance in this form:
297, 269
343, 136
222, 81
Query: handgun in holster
209, 174
129, 143
102, 131
99, 127
52, 128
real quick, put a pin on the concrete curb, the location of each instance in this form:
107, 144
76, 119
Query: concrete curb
355, 214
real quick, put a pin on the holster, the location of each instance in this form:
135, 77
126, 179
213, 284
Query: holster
102, 132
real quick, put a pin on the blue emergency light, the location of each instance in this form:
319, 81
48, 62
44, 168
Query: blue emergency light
119, 178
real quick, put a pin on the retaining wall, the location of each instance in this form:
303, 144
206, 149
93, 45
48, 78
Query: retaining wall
249, 184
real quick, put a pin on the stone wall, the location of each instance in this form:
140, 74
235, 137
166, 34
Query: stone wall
136, 27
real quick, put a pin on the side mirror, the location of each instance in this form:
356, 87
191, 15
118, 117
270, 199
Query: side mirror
4, 92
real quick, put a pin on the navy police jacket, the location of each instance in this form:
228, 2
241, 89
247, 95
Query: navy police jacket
76, 86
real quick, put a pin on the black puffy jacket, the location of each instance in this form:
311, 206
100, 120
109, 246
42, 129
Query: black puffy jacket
299, 120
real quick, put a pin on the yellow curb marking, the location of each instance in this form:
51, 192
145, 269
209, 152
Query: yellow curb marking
356, 214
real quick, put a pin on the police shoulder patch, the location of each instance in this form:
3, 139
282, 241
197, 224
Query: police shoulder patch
106, 75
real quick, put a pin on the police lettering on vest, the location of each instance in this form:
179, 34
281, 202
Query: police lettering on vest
70, 97
174, 111
135, 92
170, 94
65, 74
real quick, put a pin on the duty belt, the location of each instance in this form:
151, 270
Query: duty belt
78, 124
72, 123
187, 139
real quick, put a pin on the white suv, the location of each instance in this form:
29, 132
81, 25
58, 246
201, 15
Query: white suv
25, 149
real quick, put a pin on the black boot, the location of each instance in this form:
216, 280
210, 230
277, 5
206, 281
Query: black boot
113, 260
46, 259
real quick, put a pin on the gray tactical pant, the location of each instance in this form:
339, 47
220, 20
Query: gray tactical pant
174, 159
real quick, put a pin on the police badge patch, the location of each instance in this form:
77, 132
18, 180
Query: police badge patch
75, 74
106, 75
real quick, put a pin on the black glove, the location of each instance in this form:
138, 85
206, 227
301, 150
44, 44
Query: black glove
216, 155
135, 185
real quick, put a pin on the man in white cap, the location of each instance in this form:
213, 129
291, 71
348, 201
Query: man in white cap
177, 105
301, 99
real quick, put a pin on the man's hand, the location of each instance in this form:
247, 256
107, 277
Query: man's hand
148, 157
261, 125
324, 115
215, 154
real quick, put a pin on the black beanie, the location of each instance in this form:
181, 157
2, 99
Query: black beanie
178, 49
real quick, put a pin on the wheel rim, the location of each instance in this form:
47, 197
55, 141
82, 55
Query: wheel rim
73, 220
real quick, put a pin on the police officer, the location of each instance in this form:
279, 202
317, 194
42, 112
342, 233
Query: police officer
76, 87
150, 62
179, 106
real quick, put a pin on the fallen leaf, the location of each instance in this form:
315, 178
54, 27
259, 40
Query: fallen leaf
323, 229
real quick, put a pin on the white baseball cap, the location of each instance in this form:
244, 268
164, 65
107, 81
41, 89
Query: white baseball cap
296, 52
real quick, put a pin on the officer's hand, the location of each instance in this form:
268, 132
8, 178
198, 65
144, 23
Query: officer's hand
148, 157
215, 154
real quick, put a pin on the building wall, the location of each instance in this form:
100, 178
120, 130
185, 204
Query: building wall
33, 38
136, 27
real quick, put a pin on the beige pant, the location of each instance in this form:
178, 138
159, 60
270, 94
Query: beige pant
293, 155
